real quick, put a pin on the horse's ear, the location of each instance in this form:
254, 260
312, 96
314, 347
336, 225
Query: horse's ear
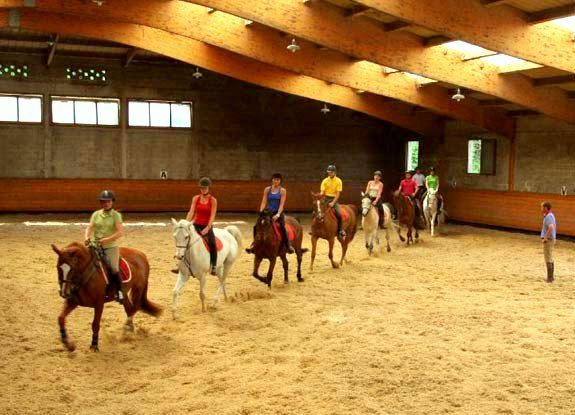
174, 222
55, 249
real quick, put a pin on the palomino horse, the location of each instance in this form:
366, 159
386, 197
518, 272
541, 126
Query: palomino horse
268, 244
324, 225
195, 258
406, 216
370, 220
430, 208
83, 283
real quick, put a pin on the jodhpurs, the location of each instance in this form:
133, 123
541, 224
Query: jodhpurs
336, 210
211, 238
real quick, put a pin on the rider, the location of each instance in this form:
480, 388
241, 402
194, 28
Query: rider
407, 187
432, 182
274, 198
331, 188
419, 179
374, 190
106, 227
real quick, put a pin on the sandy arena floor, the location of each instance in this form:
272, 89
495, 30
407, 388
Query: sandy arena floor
459, 323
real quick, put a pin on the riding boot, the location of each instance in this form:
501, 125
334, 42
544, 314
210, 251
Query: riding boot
250, 249
380, 222
550, 270
120, 295
285, 240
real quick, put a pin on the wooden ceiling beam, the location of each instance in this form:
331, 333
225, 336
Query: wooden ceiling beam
356, 11
397, 25
218, 60
554, 80
325, 24
550, 14
228, 32
130, 55
502, 30
493, 3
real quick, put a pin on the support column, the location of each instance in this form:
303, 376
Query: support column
511, 172
48, 162
123, 136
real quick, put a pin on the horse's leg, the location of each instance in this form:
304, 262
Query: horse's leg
331, 241
401, 238
286, 266
257, 262
69, 306
203, 283
416, 235
182, 279
299, 258
409, 233
344, 244
313, 247
98, 309
271, 272
433, 223
221, 287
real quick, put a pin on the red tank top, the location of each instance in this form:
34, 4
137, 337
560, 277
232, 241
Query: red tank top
203, 211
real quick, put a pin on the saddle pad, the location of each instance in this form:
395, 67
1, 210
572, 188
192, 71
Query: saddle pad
289, 230
343, 213
219, 244
125, 271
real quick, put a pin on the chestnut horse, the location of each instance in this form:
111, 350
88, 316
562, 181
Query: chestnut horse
268, 244
82, 283
405, 216
324, 225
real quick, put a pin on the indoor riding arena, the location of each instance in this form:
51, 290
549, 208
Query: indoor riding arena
117, 116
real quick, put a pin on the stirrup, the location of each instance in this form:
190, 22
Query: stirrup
290, 249
213, 270
341, 234
120, 296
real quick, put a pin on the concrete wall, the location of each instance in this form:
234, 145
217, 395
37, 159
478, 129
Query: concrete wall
239, 131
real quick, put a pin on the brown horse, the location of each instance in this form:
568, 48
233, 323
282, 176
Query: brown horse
82, 283
324, 225
405, 216
268, 244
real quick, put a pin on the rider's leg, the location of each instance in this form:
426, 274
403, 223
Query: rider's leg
113, 256
380, 212
283, 231
337, 212
213, 250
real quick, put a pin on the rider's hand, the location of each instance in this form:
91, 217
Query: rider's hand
276, 217
331, 204
87, 242
373, 203
205, 231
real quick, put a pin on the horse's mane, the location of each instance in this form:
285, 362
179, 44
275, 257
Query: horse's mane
76, 246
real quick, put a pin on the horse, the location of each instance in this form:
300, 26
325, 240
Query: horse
268, 244
324, 225
83, 282
370, 221
406, 216
430, 208
194, 258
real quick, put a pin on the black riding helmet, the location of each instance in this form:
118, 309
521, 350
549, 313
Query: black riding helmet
205, 182
378, 173
107, 195
331, 168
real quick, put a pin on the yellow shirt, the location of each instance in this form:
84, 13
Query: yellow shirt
331, 185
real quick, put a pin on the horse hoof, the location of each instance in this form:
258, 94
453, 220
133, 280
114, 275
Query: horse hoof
128, 328
388, 249
94, 348
300, 279
70, 346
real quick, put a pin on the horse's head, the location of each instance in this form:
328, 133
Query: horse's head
72, 261
432, 193
319, 206
365, 204
265, 219
184, 234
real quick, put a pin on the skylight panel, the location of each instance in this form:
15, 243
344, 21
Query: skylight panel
565, 22
467, 50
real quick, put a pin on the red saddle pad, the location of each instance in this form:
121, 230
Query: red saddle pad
343, 213
289, 230
219, 244
125, 271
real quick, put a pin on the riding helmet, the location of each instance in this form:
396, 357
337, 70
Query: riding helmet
107, 195
205, 182
431, 168
331, 168
378, 173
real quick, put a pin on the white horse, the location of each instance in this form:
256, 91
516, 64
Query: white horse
369, 223
430, 209
195, 259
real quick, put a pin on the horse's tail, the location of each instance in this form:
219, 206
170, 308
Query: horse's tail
235, 233
150, 307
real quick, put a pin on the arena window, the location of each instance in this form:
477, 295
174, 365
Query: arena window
481, 156
21, 108
412, 155
85, 111
163, 114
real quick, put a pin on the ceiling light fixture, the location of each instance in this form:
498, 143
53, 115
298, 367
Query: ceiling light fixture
197, 74
458, 96
293, 47
325, 109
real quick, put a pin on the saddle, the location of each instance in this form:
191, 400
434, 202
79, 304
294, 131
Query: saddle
125, 271
289, 230
219, 244
344, 213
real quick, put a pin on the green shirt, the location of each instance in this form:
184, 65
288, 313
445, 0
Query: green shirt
432, 181
105, 224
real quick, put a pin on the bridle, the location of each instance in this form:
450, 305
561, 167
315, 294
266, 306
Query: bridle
186, 248
75, 283
369, 208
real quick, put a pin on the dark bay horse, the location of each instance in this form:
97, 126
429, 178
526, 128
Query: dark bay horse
405, 216
324, 226
268, 245
82, 283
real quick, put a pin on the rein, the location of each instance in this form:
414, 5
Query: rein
187, 250
76, 285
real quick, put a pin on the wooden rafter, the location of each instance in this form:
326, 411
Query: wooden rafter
227, 63
227, 31
357, 11
397, 25
554, 80
501, 29
550, 14
52, 49
325, 24
130, 55
493, 3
